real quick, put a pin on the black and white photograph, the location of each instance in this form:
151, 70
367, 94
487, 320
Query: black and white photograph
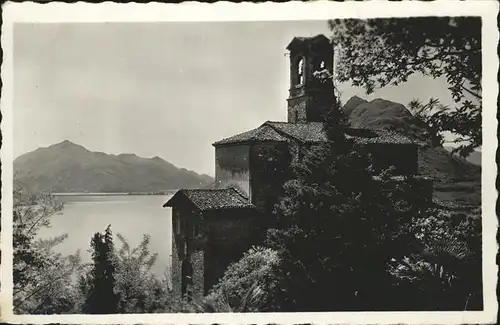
326, 164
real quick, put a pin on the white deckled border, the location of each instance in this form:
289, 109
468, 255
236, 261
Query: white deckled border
224, 11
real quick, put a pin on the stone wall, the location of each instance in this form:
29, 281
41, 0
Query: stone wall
297, 109
187, 255
197, 260
223, 238
232, 166
270, 163
230, 233
175, 268
311, 106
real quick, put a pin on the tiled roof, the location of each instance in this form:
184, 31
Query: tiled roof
262, 133
312, 132
213, 199
376, 136
305, 132
300, 40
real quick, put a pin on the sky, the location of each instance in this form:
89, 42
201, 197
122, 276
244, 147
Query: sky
162, 89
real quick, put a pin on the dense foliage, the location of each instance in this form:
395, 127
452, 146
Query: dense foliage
443, 270
339, 228
41, 277
448, 47
253, 276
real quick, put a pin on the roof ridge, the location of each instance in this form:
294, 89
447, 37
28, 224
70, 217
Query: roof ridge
228, 188
239, 192
201, 189
212, 199
264, 132
283, 132
280, 122
235, 135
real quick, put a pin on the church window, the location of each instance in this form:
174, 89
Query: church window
296, 116
322, 65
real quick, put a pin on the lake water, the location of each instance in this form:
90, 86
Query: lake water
129, 215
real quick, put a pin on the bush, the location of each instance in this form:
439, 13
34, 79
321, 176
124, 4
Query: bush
253, 275
442, 267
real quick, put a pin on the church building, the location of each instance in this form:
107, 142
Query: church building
213, 227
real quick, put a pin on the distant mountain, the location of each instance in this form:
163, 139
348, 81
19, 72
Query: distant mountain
67, 167
378, 113
455, 179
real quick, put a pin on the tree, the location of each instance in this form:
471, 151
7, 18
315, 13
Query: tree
339, 227
139, 290
379, 52
101, 298
42, 277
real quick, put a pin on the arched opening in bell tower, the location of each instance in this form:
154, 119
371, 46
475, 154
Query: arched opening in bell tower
300, 71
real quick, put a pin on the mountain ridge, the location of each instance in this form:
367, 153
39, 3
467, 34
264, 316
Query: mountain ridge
67, 167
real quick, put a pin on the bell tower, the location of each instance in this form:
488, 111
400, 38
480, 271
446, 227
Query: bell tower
310, 99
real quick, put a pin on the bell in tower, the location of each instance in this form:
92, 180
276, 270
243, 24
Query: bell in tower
310, 99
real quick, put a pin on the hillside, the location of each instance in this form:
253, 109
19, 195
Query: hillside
68, 167
455, 180
473, 158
